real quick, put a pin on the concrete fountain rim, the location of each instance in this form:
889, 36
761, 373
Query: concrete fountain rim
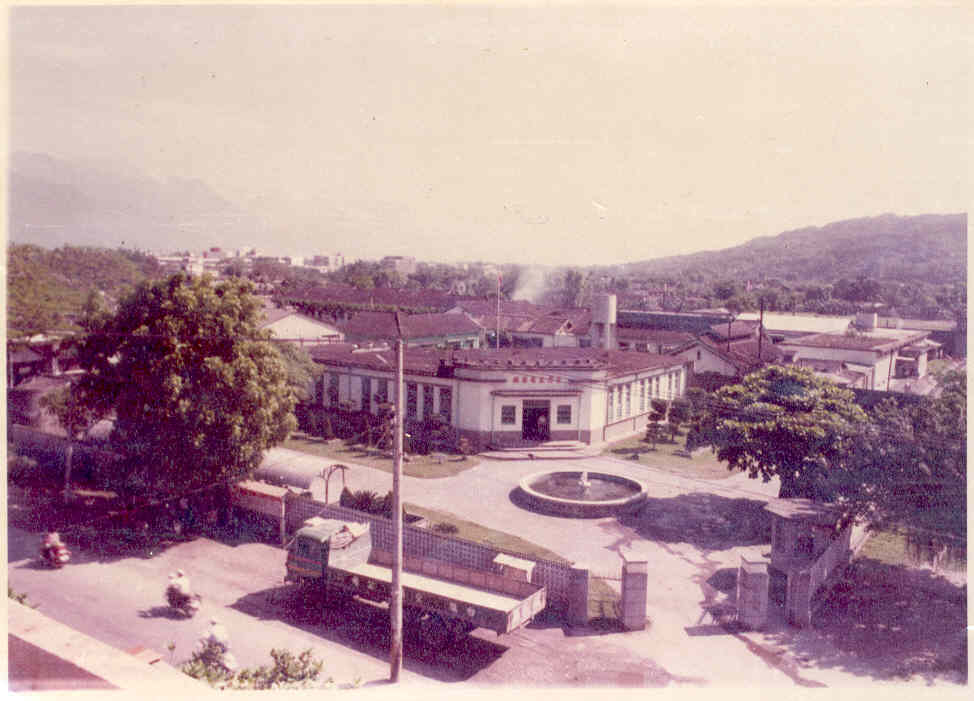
642, 493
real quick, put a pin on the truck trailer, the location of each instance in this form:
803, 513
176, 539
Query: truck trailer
441, 601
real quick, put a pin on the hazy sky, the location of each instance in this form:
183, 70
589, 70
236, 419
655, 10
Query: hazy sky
561, 134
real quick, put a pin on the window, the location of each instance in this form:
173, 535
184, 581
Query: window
699, 355
333, 389
612, 402
412, 401
427, 401
642, 396
669, 385
508, 414
382, 391
446, 403
366, 394
564, 415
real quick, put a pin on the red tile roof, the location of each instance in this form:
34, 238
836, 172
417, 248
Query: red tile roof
420, 361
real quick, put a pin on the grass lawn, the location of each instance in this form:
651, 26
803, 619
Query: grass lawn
893, 549
426, 466
602, 599
704, 464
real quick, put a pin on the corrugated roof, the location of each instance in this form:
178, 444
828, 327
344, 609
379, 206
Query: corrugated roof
873, 342
382, 325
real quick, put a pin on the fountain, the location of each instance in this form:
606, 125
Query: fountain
581, 494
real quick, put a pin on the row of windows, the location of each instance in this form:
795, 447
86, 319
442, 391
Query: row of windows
635, 397
378, 390
563, 414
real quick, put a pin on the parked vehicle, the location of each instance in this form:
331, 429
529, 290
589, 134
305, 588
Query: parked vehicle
441, 600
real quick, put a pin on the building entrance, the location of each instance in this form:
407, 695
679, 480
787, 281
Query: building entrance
536, 420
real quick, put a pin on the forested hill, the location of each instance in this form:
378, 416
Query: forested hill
46, 289
930, 248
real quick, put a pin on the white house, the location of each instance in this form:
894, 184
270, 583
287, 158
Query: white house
873, 354
514, 396
289, 325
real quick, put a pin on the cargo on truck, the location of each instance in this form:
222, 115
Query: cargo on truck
441, 600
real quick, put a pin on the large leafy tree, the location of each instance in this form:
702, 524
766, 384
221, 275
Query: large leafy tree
198, 391
908, 467
787, 423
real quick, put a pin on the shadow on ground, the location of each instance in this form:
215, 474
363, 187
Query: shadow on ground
888, 622
706, 521
365, 628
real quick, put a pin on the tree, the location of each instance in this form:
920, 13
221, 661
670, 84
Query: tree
654, 425
908, 467
784, 422
199, 392
301, 370
681, 412
77, 414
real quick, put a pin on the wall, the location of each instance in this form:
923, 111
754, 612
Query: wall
804, 583
708, 361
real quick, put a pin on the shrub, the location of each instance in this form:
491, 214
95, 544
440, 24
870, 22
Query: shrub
288, 671
446, 528
20, 467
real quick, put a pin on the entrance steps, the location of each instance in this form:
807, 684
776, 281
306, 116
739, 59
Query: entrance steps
549, 450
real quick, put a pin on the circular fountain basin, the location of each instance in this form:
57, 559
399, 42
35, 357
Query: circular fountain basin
581, 494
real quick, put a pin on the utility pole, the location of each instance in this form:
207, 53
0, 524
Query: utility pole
497, 338
395, 599
761, 330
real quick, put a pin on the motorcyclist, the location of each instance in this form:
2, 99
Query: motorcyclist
52, 543
179, 588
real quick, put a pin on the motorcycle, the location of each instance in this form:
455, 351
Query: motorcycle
186, 604
55, 556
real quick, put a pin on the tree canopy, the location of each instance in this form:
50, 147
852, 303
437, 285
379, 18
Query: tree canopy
198, 391
907, 469
784, 422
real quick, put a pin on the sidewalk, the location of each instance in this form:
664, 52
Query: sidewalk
44, 655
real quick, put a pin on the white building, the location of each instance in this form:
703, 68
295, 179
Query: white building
509, 397
873, 354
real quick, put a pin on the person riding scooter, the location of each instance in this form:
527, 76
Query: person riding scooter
179, 595
53, 549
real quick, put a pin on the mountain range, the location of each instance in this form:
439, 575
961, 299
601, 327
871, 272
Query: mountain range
56, 202
929, 247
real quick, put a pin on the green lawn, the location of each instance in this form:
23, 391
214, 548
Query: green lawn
426, 466
894, 549
602, 599
704, 464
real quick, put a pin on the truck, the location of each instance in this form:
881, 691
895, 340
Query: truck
442, 601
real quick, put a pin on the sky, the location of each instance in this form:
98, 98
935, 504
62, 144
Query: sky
563, 135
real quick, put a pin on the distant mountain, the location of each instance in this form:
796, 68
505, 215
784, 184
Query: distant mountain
55, 202
929, 247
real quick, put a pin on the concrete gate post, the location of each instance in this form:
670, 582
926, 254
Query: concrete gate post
635, 584
578, 595
753, 582
798, 605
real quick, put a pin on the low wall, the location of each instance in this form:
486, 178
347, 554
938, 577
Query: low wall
804, 584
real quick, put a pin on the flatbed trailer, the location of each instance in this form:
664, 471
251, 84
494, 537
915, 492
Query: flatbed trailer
335, 556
